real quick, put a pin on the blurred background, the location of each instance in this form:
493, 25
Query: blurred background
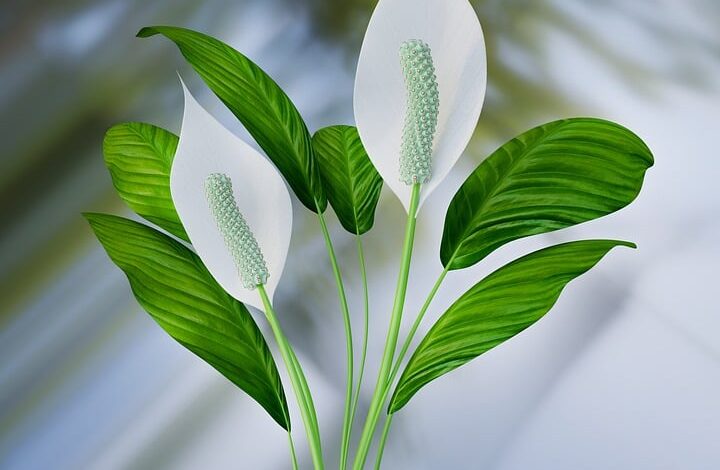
623, 374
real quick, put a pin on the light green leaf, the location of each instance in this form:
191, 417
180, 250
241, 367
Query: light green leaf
350, 180
553, 176
139, 157
175, 288
259, 103
496, 309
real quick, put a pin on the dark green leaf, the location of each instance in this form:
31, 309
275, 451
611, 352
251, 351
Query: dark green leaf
350, 180
176, 289
496, 309
139, 157
553, 176
259, 103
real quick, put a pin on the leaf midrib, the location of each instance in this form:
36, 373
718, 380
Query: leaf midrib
237, 58
495, 188
149, 142
353, 198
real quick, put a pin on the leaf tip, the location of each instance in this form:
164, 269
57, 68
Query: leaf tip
90, 216
392, 408
96, 219
147, 32
616, 243
95, 222
397, 401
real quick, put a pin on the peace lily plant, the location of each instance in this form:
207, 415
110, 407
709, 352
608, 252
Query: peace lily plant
224, 216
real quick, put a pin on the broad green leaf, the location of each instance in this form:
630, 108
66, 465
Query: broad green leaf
259, 103
174, 287
496, 309
139, 157
350, 180
553, 176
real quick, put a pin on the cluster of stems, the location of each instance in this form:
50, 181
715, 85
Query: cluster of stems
389, 366
415, 162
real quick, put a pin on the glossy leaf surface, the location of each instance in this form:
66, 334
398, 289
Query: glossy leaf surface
259, 103
350, 180
497, 308
553, 176
139, 157
174, 287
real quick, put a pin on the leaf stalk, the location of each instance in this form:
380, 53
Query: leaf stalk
299, 383
380, 393
347, 416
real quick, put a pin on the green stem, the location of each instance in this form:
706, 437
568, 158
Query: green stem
383, 440
306, 395
376, 403
413, 329
401, 356
299, 383
292, 451
347, 420
366, 321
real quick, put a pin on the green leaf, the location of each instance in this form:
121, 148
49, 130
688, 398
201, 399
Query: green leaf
175, 288
553, 176
496, 309
139, 157
350, 180
259, 103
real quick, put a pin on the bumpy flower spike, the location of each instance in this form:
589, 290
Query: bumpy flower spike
238, 236
207, 148
421, 114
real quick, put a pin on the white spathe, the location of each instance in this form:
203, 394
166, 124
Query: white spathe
206, 147
452, 30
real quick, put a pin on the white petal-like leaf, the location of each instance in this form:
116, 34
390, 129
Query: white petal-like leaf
452, 30
207, 147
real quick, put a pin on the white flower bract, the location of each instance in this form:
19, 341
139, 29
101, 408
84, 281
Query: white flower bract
257, 190
451, 30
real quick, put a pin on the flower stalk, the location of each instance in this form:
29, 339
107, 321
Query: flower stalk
366, 327
298, 381
347, 415
381, 388
398, 362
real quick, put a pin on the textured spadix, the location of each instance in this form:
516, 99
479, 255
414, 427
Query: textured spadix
239, 239
206, 147
421, 112
453, 34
